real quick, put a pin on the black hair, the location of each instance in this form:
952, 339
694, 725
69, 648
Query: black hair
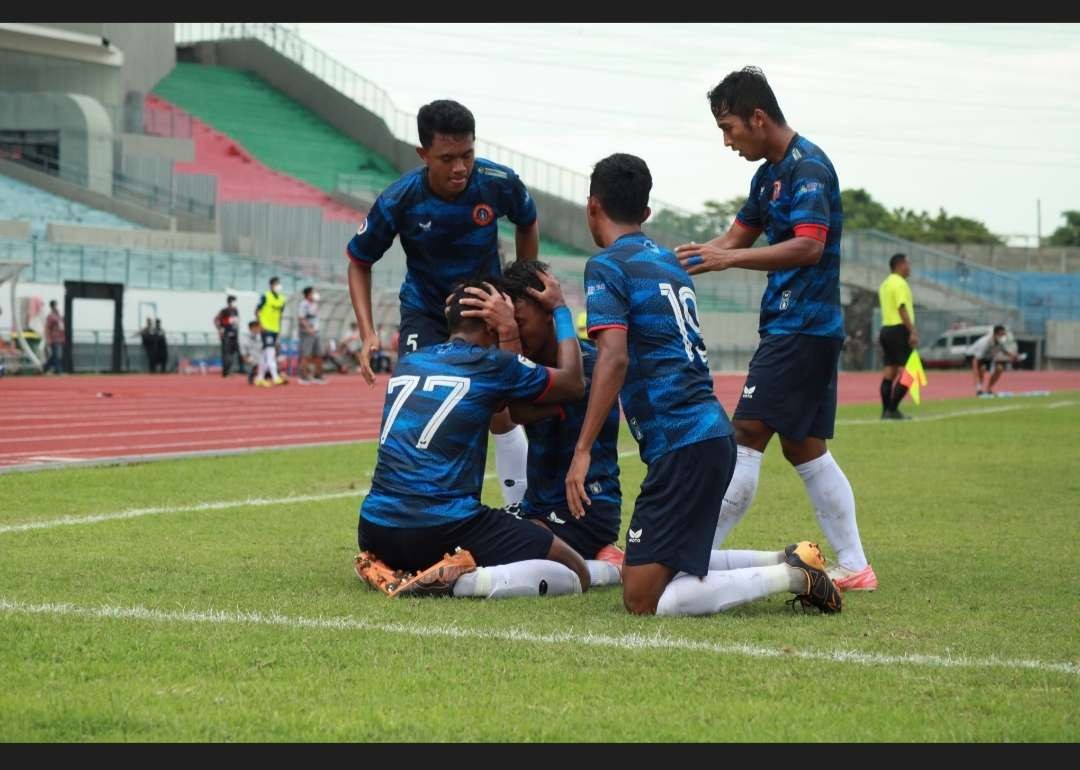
742, 92
523, 275
895, 260
444, 116
454, 320
999, 328
231, 298
308, 290
274, 280
621, 183
252, 323
52, 303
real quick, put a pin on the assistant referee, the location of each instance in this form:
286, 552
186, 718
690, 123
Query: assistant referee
898, 334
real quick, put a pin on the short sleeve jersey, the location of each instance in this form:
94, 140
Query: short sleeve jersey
894, 292
799, 197
667, 396
445, 242
433, 440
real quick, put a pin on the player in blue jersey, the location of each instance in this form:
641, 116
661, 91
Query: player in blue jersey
445, 214
791, 387
553, 431
424, 500
642, 311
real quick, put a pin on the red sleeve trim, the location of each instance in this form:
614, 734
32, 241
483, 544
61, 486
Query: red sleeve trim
359, 260
550, 382
745, 226
817, 232
593, 329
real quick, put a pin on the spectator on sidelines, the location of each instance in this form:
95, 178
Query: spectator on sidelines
989, 352
159, 348
146, 334
311, 350
268, 313
55, 337
227, 322
251, 349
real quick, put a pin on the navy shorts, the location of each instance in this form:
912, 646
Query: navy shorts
587, 535
791, 386
895, 344
491, 536
419, 331
677, 510
269, 339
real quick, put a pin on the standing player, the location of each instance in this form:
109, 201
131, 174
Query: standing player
227, 322
268, 312
425, 494
445, 214
643, 314
898, 335
791, 386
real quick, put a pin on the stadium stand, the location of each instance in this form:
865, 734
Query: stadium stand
20, 201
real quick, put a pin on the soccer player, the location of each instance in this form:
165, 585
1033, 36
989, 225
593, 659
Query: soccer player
227, 322
268, 312
552, 431
898, 335
425, 494
445, 214
791, 387
650, 353
986, 353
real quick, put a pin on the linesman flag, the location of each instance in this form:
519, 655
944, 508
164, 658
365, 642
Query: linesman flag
912, 375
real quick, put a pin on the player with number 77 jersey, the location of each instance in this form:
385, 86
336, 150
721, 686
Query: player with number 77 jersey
425, 493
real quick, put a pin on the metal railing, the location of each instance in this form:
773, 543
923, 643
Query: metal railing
538, 174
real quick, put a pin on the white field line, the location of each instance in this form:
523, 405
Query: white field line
655, 641
950, 415
1060, 404
223, 424
67, 521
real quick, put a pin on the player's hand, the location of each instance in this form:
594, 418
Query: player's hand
913, 339
493, 307
551, 297
576, 497
371, 344
704, 257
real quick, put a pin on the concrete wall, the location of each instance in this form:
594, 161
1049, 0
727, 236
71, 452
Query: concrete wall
131, 212
1048, 259
1062, 339
15, 229
175, 149
164, 240
84, 127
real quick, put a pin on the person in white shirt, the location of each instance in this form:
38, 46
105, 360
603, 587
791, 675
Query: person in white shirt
989, 353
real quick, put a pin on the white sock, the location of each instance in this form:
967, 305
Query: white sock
511, 459
270, 356
739, 494
722, 590
727, 559
603, 573
262, 366
533, 577
834, 506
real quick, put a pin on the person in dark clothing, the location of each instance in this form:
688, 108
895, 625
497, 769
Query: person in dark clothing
146, 334
227, 322
159, 348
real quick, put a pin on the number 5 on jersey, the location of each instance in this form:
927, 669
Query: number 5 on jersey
408, 383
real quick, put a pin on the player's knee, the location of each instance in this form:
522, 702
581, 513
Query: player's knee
638, 601
567, 556
752, 433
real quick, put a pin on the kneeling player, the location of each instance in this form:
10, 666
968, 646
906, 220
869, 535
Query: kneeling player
425, 494
543, 320
642, 311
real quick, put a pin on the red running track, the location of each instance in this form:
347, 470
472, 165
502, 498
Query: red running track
60, 420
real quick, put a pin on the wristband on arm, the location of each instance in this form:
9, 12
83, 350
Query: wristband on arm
564, 324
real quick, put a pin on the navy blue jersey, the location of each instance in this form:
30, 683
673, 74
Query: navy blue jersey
551, 448
433, 442
799, 196
668, 394
445, 242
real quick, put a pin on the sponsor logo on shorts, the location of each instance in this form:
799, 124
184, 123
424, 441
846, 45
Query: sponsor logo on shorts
634, 535
483, 214
748, 392
555, 519
425, 226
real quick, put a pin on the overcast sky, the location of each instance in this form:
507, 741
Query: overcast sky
981, 119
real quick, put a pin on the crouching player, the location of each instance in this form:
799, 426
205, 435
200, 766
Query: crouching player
543, 320
425, 494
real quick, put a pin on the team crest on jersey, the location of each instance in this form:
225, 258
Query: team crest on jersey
776, 189
483, 214
363, 227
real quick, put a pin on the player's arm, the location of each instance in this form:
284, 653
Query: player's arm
568, 378
521, 210
525, 412
367, 247
608, 376
800, 251
527, 241
913, 334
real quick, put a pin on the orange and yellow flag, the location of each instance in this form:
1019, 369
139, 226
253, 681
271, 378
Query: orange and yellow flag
912, 375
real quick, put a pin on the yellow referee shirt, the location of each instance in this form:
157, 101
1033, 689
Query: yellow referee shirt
894, 292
